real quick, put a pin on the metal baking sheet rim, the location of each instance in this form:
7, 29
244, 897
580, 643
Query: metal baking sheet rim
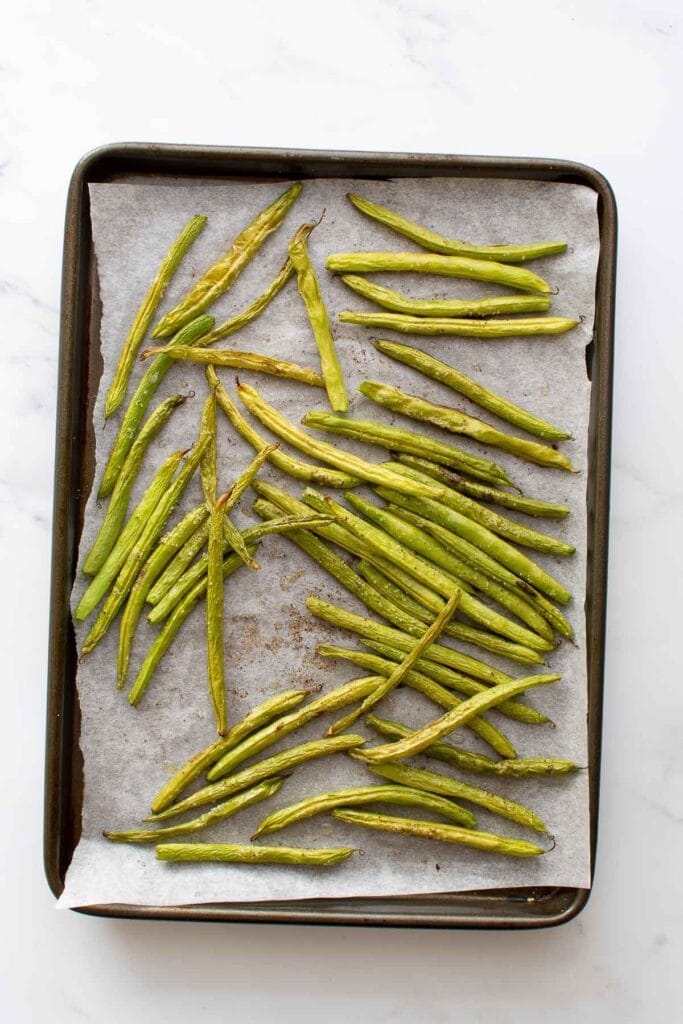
511, 908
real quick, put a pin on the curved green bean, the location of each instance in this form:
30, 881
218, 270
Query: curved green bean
516, 502
263, 713
454, 719
128, 537
273, 766
400, 440
462, 327
194, 853
398, 303
214, 616
240, 361
132, 418
485, 841
248, 315
272, 733
368, 471
360, 795
444, 785
216, 814
143, 317
515, 768
141, 550
293, 467
460, 423
223, 273
452, 246
167, 547
477, 393
309, 291
118, 506
428, 263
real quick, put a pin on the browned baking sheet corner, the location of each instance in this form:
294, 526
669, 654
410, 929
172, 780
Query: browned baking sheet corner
79, 371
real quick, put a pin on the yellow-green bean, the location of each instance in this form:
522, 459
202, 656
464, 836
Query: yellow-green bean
200, 853
214, 616
248, 315
239, 360
462, 327
208, 470
428, 263
398, 303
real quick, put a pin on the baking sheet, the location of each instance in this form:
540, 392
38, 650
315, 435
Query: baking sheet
270, 637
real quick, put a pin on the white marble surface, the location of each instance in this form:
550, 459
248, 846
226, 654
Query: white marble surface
594, 81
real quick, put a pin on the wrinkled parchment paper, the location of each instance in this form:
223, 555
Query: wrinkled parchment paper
270, 638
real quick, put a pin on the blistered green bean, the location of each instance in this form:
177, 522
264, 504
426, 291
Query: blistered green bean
428, 263
239, 360
195, 853
208, 469
214, 616
398, 303
248, 315
461, 327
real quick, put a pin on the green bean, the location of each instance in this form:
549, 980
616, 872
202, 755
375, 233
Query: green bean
179, 564
398, 303
443, 785
460, 423
248, 315
419, 679
195, 853
516, 502
263, 713
216, 814
232, 535
309, 291
388, 546
477, 393
141, 550
214, 616
160, 557
433, 731
460, 631
417, 540
293, 467
427, 263
397, 439
462, 327
501, 525
360, 795
248, 537
515, 768
118, 505
273, 766
272, 733
240, 361
208, 470
371, 630
484, 538
132, 418
143, 317
368, 471
165, 638
452, 246
485, 841
128, 537
399, 671
219, 277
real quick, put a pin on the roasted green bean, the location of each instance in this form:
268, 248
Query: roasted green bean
309, 291
397, 439
428, 263
398, 303
208, 469
485, 841
462, 327
321, 475
460, 423
240, 361
219, 277
143, 317
368, 471
216, 814
452, 246
263, 713
433, 731
477, 393
271, 767
444, 785
214, 616
402, 795
194, 853
132, 417
128, 537
115, 515
248, 315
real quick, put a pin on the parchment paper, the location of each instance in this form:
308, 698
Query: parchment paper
270, 638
